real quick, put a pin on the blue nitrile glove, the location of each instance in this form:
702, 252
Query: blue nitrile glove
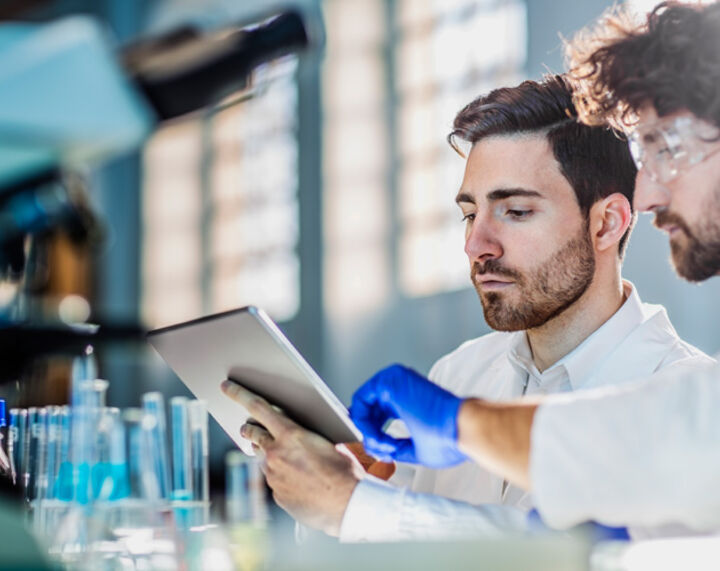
428, 411
599, 532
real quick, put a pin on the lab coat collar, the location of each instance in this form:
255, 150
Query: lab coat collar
582, 362
587, 357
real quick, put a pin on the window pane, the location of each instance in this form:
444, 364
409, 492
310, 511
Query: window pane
253, 211
356, 152
221, 211
172, 257
449, 57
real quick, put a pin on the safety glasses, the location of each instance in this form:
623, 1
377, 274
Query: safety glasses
666, 147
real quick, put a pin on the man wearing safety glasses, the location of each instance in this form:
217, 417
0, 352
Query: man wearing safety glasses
676, 182
646, 454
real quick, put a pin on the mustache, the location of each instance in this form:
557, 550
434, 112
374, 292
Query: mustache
665, 218
494, 267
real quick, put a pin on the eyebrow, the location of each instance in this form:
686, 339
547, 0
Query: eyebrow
499, 194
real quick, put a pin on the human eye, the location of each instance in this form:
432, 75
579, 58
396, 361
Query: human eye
469, 217
515, 214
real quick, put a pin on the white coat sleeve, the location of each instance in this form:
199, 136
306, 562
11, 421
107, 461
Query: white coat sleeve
646, 454
378, 511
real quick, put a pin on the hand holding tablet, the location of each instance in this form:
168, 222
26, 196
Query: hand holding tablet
246, 347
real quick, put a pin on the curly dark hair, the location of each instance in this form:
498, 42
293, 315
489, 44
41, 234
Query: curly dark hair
671, 61
595, 160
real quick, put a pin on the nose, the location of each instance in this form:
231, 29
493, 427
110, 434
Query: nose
481, 243
650, 195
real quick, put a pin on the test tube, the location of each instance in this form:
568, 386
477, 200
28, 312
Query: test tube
4, 459
103, 481
16, 443
64, 478
94, 393
142, 477
197, 413
118, 459
84, 368
33, 435
154, 407
245, 490
52, 466
65, 433
85, 398
38, 454
181, 448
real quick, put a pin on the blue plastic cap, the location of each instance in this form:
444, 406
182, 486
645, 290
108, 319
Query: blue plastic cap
3, 421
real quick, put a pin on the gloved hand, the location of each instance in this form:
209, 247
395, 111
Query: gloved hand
429, 412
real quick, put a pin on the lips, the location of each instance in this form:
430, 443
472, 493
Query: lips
490, 282
673, 230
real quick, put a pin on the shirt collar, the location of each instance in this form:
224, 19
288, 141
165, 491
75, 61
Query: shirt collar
520, 356
581, 361
586, 357
551, 379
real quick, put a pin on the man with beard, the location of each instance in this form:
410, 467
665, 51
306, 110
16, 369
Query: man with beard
546, 207
648, 453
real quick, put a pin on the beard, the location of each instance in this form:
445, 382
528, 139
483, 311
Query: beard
542, 293
697, 257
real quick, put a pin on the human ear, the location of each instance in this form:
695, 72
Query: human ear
609, 220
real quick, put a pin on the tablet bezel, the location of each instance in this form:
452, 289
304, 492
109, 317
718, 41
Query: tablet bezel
167, 342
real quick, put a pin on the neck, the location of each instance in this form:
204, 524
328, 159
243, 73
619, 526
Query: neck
553, 340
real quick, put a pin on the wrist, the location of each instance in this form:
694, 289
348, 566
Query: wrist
466, 419
343, 494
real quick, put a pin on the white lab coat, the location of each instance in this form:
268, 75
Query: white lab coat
467, 500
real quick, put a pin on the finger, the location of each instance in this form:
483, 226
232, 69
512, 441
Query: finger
258, 407
373, 401
370, 420
382, 447
257, 435
405, 451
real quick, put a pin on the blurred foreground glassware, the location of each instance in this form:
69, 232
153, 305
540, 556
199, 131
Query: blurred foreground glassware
156, 425
246, 510
181, 453
17, 441
37, 434
191, 493
5, 467
190, 510
39, 478
88, 399
53, 451
199, 450
109, 472
47, 473
142, 476
64, 489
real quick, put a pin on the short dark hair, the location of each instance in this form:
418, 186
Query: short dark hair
595, 160
671, 61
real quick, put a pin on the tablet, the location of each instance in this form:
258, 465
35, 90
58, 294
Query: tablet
245, 346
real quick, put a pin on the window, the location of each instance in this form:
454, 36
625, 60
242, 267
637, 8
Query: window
447, 53
220, 208
356, 156
644, 6
392, 87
